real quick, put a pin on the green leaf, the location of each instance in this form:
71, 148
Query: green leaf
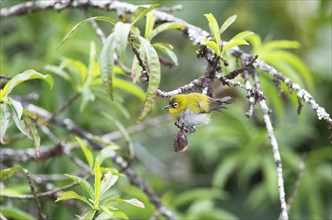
136, 69
82, 182
22, 77
198, 194
214, 28
87, 96
32, 130
135, 202
223, 172
213, 45
121, 215
233, 43
107, 63
243, 35
129, 87
9, 172
98, 175
149, 25
164, 27
107, 211
93, 72
256, 42
89, 215
71, 195
120, 41
227, 23
58, 70
296, 63
281, 44
123, 131
15, 213
141, 11
4, 120
17, 107
154, 77
105, 152
87, 152
108, 181
75, 28
166, 50
20, 123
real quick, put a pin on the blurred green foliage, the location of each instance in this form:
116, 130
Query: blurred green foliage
228, 171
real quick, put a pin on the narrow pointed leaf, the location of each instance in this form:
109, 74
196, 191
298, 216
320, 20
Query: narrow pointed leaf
107, 211
17, 106
87, 96
34, 133
58, 70
77, 26
214, 28
227, 23
71, 195
135, 202
154, 77
83, 183
22, 77
89, 215
164, 27
129, 87
9, 172
149, 25
4, 120
123, 131
120, 215
243, 35
136, 69
166, 50
141, 11
233, 43
106, 152
107, 64
121, 32
20, 123
87, 152
98, 175
213, 45
108, 181
281, 44
15, 213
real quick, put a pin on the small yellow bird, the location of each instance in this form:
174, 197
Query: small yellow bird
194, 109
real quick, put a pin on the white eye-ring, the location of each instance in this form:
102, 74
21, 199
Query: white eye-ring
175, 104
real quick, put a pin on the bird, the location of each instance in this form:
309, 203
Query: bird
194, 109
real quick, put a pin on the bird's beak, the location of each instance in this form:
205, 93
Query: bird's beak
167, 106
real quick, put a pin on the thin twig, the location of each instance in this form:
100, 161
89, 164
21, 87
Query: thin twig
95, 25
69, 101
275, 151
41, 215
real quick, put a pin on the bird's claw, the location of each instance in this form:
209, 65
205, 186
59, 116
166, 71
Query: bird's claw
187, 129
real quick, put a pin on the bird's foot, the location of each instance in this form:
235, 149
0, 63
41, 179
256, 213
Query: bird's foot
183, 127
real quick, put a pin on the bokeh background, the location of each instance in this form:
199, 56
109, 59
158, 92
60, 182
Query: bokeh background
228, 171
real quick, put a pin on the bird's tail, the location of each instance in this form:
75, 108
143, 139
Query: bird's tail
218, 104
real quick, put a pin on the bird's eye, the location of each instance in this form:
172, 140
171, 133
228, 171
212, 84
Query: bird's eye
175, 104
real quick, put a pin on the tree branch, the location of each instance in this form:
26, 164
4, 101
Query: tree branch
275, 151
